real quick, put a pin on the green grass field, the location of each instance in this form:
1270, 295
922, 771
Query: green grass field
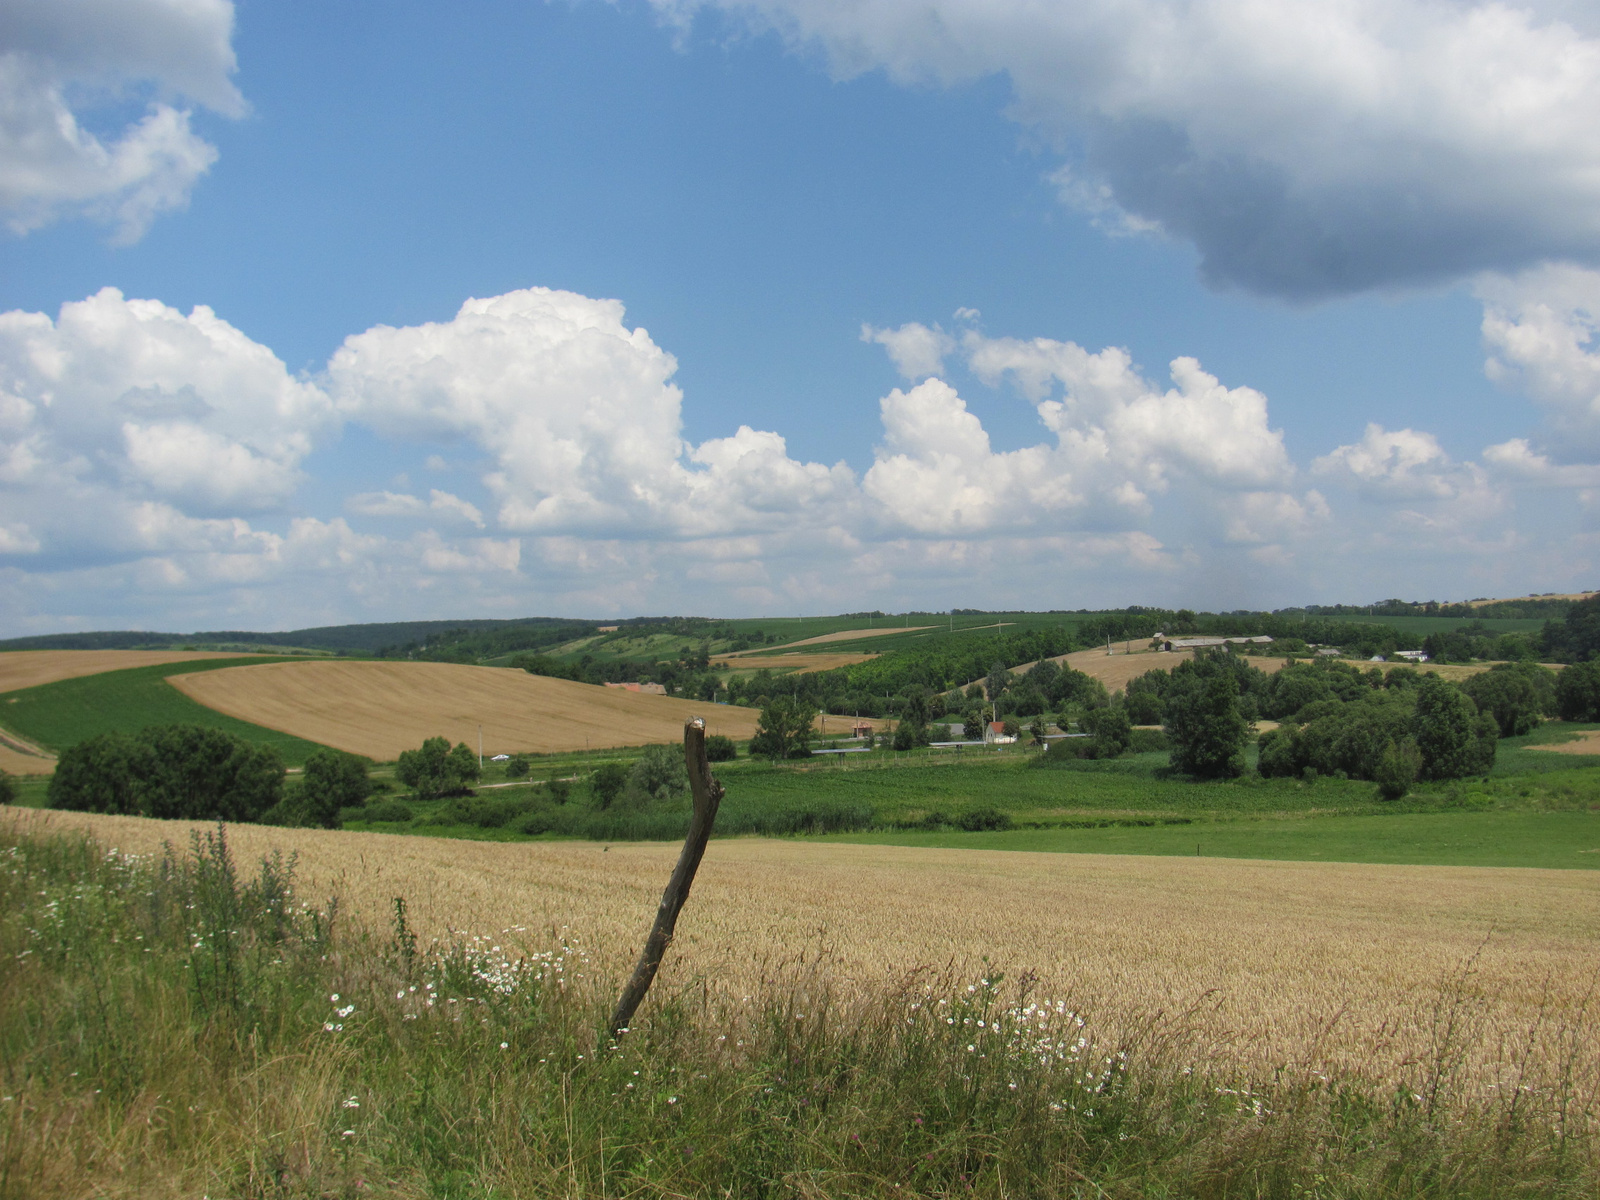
1569, 840
61, 714
1537, 809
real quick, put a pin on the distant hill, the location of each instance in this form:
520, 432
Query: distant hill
394, 636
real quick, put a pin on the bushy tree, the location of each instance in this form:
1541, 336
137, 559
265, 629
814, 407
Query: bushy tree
1578, 692
1202, 720
107, 773
434, 769
1398, 769
332, 781
783, 730
1453, 738
8, 789
1110, 732
659, 774
997, 681
972, 723
607, 783
517, 767
720, 748
1517, 695
1294, 687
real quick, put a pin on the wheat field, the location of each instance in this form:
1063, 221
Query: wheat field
1274, 963
31, 668
381, 708
785, 663
840, 635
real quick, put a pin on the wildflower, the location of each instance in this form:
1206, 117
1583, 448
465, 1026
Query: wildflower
505, 1045
348, 1133
352, 1102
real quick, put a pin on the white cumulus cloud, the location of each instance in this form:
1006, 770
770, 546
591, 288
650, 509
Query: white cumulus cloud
580, 418
60, 59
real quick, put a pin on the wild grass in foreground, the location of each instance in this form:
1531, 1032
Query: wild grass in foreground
172, 1026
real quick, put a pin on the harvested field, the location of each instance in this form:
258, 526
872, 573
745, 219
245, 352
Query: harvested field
1551, 596
1587, 742
1264, 963
1116, 669
14, 762
18, 756
786, 663
30, 668
381, 708
843, 635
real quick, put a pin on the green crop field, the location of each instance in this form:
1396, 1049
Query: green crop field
1422, 626
1475, 839
61, 714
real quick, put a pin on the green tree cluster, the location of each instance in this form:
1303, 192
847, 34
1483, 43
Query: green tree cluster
1426, 729
435, 769
182, 772
1578, 692
1518, 695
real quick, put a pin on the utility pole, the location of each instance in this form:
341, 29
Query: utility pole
480, 749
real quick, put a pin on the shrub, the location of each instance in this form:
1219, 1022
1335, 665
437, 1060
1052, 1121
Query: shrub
484, 812
720, 748
8, 789
389, 811
517, 766
659, 774
975, 820
1146, 741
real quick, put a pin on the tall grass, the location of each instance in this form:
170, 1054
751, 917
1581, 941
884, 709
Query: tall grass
171, 1025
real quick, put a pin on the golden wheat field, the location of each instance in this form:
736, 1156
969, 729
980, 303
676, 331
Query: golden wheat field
381, 708
16, 762
1115, 670
1273, 962
30, 668
1587, 742
786, 663
842, 635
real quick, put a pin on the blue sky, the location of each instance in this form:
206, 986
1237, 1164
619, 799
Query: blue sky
681, 220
